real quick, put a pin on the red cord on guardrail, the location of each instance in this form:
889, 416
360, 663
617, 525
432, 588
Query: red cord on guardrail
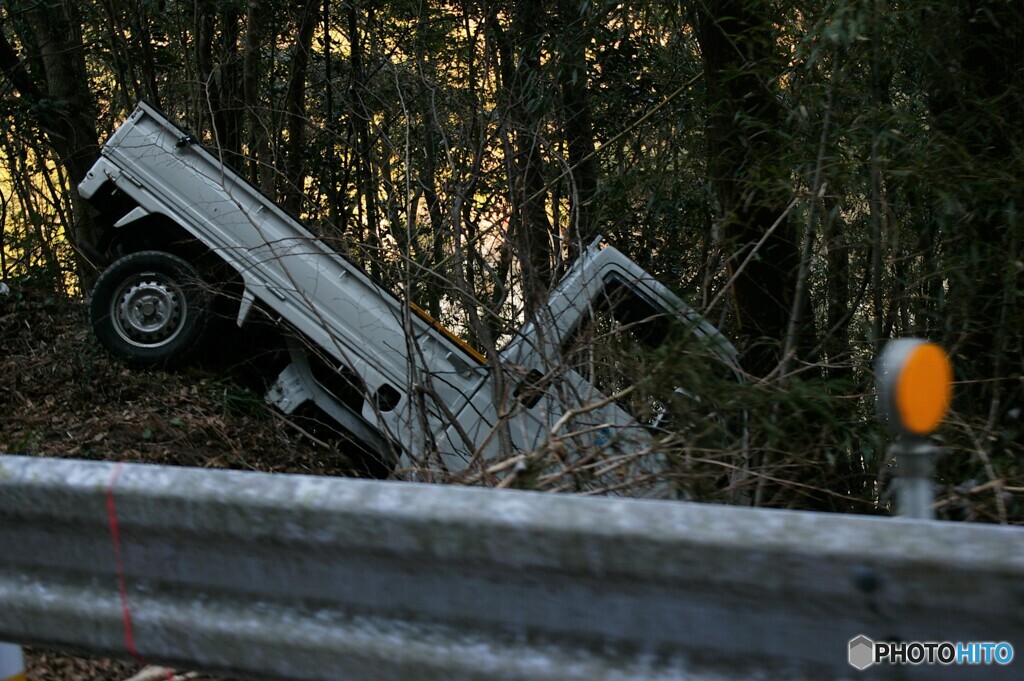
115, 538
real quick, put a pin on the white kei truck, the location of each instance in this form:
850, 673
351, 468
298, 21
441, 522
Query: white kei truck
385, 372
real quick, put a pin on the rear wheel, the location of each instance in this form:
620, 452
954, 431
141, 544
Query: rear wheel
150, 308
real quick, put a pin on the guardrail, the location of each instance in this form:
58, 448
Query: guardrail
302, 577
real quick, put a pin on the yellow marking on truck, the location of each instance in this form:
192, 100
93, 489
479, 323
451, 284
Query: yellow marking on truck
447, 333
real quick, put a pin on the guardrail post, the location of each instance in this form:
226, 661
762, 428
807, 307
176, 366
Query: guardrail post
914, 391
12, 663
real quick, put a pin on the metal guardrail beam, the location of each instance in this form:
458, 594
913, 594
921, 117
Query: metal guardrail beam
303, 577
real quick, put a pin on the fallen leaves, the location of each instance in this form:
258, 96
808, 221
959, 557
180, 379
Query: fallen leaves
65, 397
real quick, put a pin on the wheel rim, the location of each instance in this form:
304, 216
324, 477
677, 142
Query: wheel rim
149, 310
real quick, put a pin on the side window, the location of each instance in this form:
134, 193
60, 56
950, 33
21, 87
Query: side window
618, 342
630, 342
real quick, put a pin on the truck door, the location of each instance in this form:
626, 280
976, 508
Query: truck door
597, 393
655, 372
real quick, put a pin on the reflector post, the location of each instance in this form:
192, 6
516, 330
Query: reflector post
915, 387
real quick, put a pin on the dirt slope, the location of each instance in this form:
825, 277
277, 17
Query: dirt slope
63, 396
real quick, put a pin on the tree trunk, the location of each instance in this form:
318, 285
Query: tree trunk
750, 186
521, 96
366, 207
205, 98
295, 106
428, 177
58, 97
261, 163
141, 24
579, 122
228, 120
977, 102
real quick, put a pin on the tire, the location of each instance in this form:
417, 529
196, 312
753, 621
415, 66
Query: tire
150, 309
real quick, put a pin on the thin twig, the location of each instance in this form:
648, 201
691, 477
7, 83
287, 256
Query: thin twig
986, 462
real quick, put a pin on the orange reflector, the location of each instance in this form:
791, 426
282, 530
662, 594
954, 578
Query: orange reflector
915, 385
924, 388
